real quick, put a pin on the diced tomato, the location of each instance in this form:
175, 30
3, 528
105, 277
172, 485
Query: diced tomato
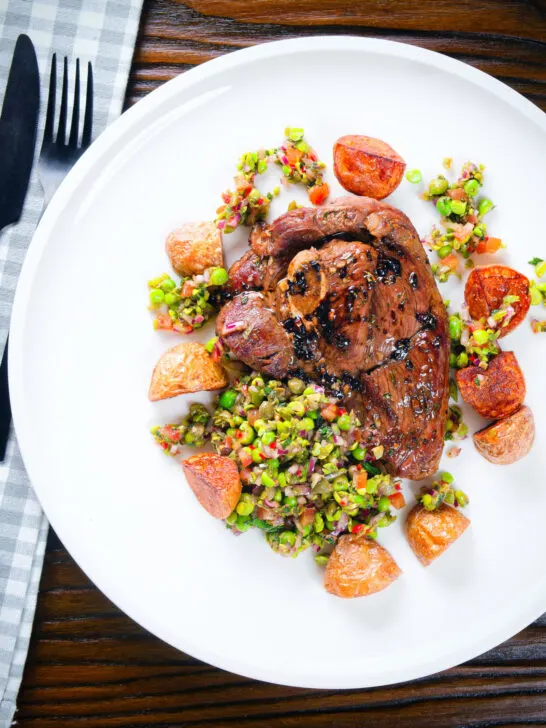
357, 528
252, 415
489, 245
329, 412
397, 500
242, 185
163, 321
450, 261
229, 442
245, 458
319, 193
293, 155
361, 479
187, 289
171, 433
457, 194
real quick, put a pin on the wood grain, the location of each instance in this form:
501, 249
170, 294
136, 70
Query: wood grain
91, 666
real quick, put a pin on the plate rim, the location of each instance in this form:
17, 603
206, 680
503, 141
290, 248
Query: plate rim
106, 141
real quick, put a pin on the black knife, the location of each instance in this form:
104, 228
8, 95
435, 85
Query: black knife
18, 123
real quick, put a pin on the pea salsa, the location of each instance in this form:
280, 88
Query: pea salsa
306, 478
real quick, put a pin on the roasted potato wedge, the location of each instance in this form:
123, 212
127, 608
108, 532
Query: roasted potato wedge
495, 392
367, 166
185, 368
194, 247
486, 288
359, 567
430, 533
508, 440
215, 481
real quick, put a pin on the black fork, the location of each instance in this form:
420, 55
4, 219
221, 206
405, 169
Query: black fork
58, 156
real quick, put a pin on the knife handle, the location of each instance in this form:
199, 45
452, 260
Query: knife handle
5, 407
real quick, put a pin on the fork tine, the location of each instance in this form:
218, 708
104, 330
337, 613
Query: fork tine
73, 141
88, 118
61, 132
50, 114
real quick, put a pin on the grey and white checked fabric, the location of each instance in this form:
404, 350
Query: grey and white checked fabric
103, 32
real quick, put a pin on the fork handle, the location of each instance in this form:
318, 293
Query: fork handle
5, 407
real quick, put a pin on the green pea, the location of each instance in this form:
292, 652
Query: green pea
211, 343
257, 455
262, 166
344, 422
462, 498
227, 399
414, 176
288, 537
321, 559
479, 231
171, 299
480, 336
383, 504
447, 478
156, 296
218, 277
444, 251
307, 424
540, 269
371, 485
319, 523
438, 186
232, 518
242, 523
455, 328
282, 479
278, 494
458, 207
244, 508
427, 501
536, 296
471, 187
452, 360
297, 407
248, 433
294, 134
443, 205
341, 483
167, 285
359, 452
290, 501
462, 359
268, 481
296, 386
267, 438
484, 207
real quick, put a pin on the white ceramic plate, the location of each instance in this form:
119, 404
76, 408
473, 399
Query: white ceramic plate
82, 350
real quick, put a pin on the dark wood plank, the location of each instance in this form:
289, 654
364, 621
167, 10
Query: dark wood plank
91, 666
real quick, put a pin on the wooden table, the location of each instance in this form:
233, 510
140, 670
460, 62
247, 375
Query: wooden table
91, 666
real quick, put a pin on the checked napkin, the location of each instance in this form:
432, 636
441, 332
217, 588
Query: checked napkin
103, 32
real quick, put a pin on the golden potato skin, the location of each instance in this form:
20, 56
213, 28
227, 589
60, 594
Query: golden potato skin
185, 368
367, 166
359, 567
508, 440
215, 481
486, 287
430, 533
495, 392
194, 247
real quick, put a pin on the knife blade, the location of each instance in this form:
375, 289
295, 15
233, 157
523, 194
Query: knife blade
18, 123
